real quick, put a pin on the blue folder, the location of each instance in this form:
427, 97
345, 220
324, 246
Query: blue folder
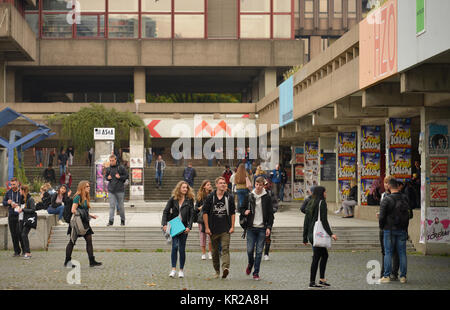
176, 227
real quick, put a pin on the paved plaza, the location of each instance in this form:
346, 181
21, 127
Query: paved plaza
149, 271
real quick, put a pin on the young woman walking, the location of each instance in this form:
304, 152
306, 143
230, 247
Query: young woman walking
181, 204
320, 254
28, 207
202, 193
80, 226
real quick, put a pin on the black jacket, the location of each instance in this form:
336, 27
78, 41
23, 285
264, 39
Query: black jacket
49, 175
312, 214
15, 197
353, 193
386, 217
66, 200
267, 209
116, 185
172, 210
30, 206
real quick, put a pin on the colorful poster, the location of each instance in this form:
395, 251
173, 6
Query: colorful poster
370, 168
400, 163
438, 194
136, 162
344, 189
347, 144
439, 166
136, 176
101, 185
437, 225
400, 133
299, 193
438, 140
366, 184
299, 173
299, 155
370, 139
346, 168
311, 171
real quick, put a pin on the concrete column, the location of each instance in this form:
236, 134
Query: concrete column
10, 86
267, 82
139, 84
137, 163
314, 46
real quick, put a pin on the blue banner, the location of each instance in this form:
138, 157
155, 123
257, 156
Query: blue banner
286, 101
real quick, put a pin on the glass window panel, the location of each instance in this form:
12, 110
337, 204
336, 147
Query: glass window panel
309, 9
189, 26
323, 9
56, 5
255, 26
56, 26
352, 8
282, 26
338, 8
156, 26
189, 5
123, 26
33, 22
91, 26
92, 5
156, 5
123, 5
282, 6
255, 5
29, 7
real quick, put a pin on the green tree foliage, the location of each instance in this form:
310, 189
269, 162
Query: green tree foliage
79, 127
19, 169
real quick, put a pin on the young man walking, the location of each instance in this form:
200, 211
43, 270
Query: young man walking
160, 165
62, 161
218, 217
258, 209
189, 174
116, 175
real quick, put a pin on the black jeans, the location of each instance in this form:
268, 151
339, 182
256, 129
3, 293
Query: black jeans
267, 245
395, 257
24, 241
319, 254
14, 229
89, 246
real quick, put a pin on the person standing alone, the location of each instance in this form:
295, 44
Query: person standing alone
160, 165
116, 175
189, 174
12, 200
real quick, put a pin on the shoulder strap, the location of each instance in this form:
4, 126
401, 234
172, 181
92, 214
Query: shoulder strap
320, 203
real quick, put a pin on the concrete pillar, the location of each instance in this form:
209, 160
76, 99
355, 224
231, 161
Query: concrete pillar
10, 86
267, 82
314, 46
139, 84
137, 165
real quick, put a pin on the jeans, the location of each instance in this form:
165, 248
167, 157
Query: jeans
159, 176
38, 157
281, 193
14, 229
395, 259
248, 165
116, 200
24, 241
224, 240
348, 205
395, 239
255, 237
210, 162
62, 169
59, 210
319, 254
179, 245
241, 193
149, 159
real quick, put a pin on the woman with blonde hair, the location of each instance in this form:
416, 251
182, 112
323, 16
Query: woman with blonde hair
79, 224
243, 183
27, 209
181, 205
202, 193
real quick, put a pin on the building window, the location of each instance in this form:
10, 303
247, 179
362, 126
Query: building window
282, 6
91, 26
337, 8
56, 26
123, 26
123, 6
157, 26
323, 9
309, 9
189, 26
255, 6
157, 6
189, 6
351, 8
282, 26
92, 6
255, 26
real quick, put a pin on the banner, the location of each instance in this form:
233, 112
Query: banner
344, 189
311, 165
137, 176
366, 184
370, 159
346, 173
437, 225
400, 164
101, 187
438, 140
438, 194
370, 168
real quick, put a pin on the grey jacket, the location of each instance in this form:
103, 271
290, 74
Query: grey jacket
78, 228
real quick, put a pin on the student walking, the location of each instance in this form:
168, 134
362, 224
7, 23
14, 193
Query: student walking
227, 175
218, 217
57, 203
275, 178
70, 155
26, 210
320, 254
12, 200
204, 190
79, 224
181, 204
189, 174
62, 161
38, 155
258, 209
116, 175
160, 165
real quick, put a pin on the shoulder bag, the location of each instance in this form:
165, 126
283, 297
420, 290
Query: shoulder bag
321, 238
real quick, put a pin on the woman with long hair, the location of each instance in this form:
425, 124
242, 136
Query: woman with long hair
202, 193
80, 207
28, 207
57, 203
181, 204
320, 254
241, 179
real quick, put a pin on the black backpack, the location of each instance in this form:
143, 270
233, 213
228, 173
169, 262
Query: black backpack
402, 212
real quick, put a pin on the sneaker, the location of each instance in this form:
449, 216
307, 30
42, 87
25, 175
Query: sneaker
225, 273
266, 257
337, 211
384, 280
60, 222
209, 255
110, 224
403, 280
26, 256
324, 284
181, 274
172, 273
248, 270
314, 286
203, 256
122, 223
256, 277
393, 278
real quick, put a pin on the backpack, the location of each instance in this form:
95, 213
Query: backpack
401, 212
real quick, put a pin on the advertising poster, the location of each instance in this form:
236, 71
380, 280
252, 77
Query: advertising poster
287, 196
439, 167
137, 177
346, 172
311, 170
137, 190
101, 187
399, 133
299, 193
370, 168
299, 173
400, 163
438, 194
437, 225
370, 139
365, 190
438, 140
344, 189
299, 155
136, 162
347, 144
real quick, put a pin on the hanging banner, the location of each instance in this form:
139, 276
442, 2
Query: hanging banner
311, 165
347, 144
101, 187
370, 171
370, 139
437, 223
400, 164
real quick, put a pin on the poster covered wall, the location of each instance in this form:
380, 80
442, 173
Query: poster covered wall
399, 146
437, 225
311, 165
370, 159
346, 162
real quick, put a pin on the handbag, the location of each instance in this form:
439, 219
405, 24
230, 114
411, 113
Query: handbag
176, 227
321, 238
30, 220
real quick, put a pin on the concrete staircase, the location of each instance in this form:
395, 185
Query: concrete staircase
151, 239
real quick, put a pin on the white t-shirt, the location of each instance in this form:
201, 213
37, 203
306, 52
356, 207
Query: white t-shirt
258, 221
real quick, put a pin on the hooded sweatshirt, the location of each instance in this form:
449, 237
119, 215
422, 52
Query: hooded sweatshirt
258, 220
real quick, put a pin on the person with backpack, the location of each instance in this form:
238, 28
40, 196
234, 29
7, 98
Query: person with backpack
189, 174
275, 209
394, 220
317, 205
116, 175
27, 219
58, 201
62, 161
258, 209
181, 204
11, 200
218, 217
203, 192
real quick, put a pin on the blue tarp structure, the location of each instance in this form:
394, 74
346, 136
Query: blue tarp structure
16, 141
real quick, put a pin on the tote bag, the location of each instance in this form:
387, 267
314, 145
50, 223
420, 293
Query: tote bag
176, 227
320, 236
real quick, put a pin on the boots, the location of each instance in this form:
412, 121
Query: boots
67, 261
92, 262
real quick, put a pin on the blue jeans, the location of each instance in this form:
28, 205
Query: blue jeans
159, 176
395, 239
179, 245
255, 237
248, 165
59, 210
38, 157
62, 169
241, 193
149, 159
116, 201
281, 193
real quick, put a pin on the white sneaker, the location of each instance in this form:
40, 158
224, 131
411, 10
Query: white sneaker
337, 211
172, 273
209, 255
180, 274
266, 257
203, 257
60, 222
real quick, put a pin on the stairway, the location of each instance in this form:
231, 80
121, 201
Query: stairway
151, 239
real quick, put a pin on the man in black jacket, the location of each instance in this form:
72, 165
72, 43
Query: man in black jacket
258, 208
394, 220
12, 200
116, 175
49, 174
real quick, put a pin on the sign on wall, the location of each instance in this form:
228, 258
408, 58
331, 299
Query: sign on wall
311, 165
420, 17
346, 162
286, 101
104, 133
